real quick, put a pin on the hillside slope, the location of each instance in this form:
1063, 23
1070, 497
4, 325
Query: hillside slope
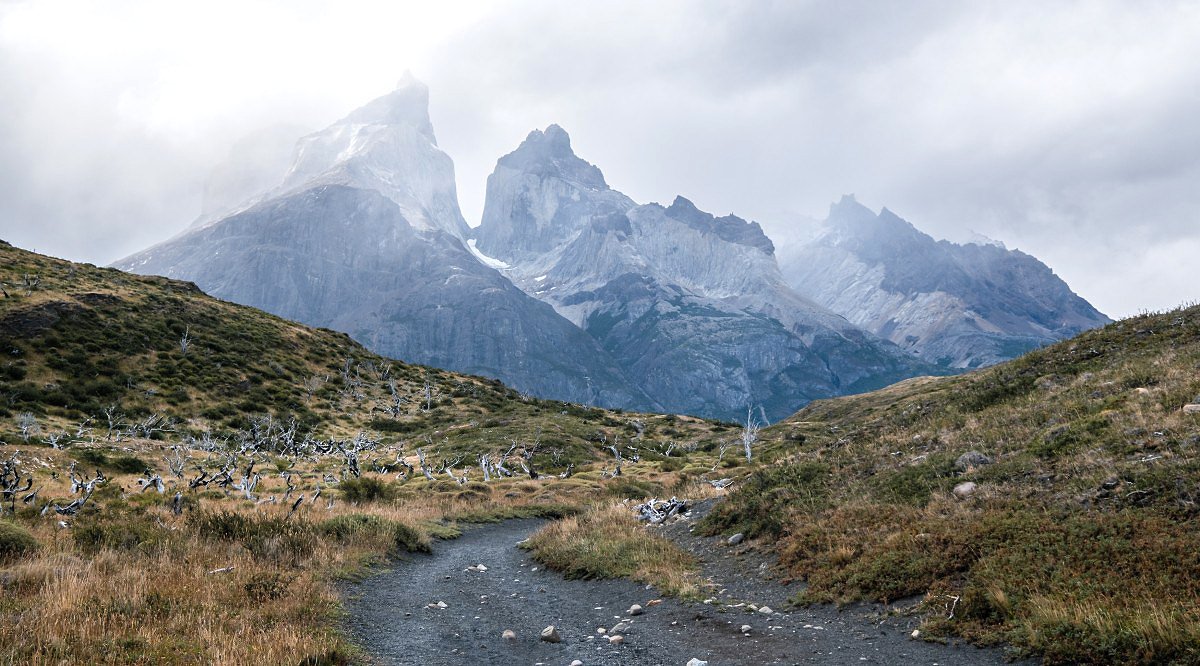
84, 341
1050, 502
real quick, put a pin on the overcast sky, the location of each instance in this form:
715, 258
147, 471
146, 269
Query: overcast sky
1070, 130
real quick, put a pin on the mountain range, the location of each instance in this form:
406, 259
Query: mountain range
956, 305
571, 290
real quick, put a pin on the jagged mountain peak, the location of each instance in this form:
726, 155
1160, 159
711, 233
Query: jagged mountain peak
407, 105
730, 227
548, 153
388, 146
851, 222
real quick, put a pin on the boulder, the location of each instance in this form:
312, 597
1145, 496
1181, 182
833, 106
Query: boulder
965, 490
971, 459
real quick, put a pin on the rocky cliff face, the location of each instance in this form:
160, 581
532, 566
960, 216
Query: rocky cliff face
365, 236
960, 306
691, 306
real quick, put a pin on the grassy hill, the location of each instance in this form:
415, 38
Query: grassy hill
92, 343
1050, 502
288, 458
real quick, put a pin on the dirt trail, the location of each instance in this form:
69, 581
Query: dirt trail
388, 615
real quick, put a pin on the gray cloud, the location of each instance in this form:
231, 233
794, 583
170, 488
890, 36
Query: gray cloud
1064, 129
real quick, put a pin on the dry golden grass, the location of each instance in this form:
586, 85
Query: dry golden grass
609, 542
129, 582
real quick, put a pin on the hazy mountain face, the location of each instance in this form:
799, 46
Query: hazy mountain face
365, 236
961, 306
691, 305
572, 290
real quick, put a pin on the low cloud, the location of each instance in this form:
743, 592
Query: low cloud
1066, 130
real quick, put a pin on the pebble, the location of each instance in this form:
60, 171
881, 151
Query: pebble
635, 610
736, 539
616, 640
550, 635
653, 602
509, 635
745, 628
765, 610
601, 631
577, 663
697, 662
916, 633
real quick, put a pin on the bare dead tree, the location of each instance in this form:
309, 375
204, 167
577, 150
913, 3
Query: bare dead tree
176, 461
425, 467
616, 454
749, 434
428, 393
185, 342
721, 450
396, 403
152, 480
84, 429
27, 425
151, 425
312, 385
55, 439
116, 422
10, 483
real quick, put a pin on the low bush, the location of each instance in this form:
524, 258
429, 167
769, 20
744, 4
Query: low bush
274, 539
367, 489
15, 541
95, 532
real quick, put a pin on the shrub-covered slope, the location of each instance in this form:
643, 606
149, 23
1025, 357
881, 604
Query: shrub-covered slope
85, 350
1051, 502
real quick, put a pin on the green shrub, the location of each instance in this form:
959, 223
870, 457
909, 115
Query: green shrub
347, 528
367, 489
15, 541
410, 540
276, 539
116, 532
122, 463
761, 503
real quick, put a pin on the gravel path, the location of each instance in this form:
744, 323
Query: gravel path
390, 617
